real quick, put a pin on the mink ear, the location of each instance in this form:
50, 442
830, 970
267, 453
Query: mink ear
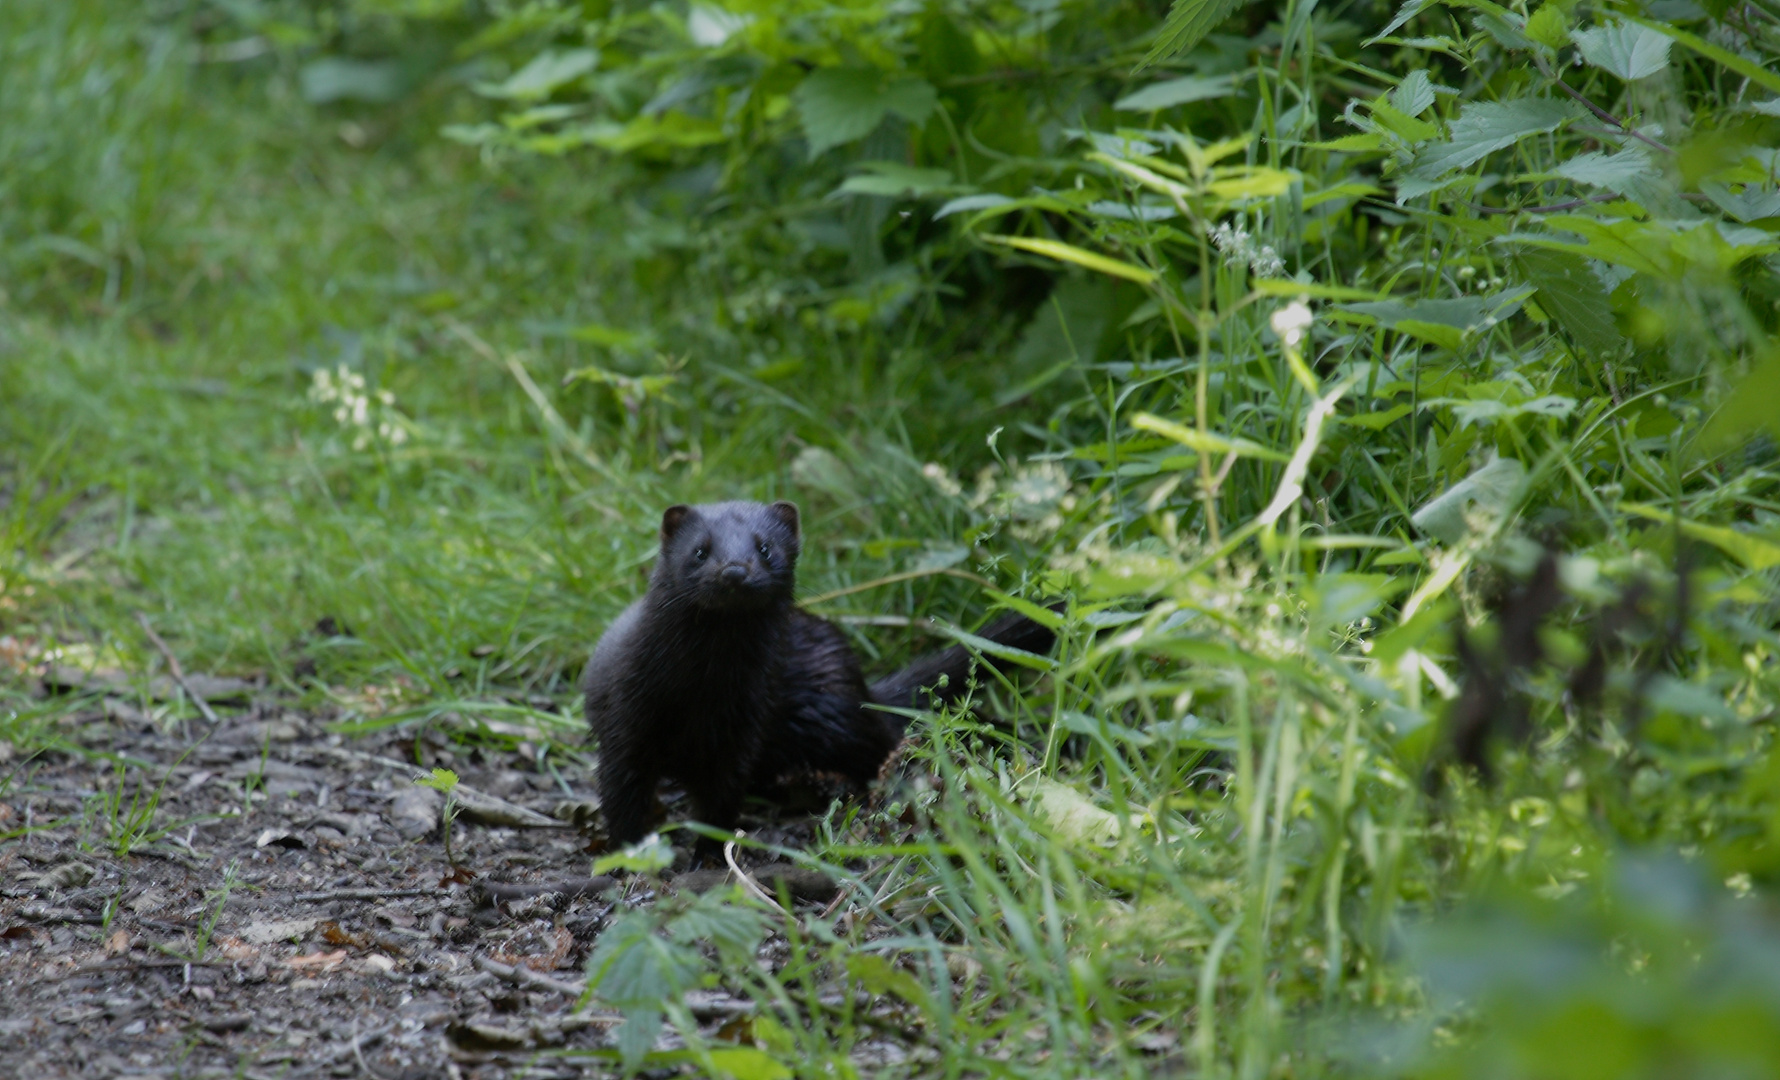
786, 512
671, 520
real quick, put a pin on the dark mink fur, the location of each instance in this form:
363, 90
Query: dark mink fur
717, 680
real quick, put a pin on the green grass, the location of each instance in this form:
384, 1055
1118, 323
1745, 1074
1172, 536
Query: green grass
1222, 838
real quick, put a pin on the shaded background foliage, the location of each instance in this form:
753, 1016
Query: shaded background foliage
1390, 390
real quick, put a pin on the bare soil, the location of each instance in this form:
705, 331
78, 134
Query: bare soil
266, 899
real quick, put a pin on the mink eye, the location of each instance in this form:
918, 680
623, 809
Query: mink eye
763, 548
701, 554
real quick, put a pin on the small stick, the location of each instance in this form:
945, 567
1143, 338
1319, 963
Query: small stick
520, 975
741, 875
177, 671
362, 894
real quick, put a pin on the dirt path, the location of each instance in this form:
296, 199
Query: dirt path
272, 901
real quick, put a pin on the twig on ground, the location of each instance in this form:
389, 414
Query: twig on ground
176, 671
476, 804
748, 883
520, 975
361, 894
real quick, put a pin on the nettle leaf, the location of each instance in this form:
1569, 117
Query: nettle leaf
1414, 94
843, 104
634, 966
1188, 23
735, 930
1164, 95
1610, 171
1571, 293
1483, 127
1624, 49
1549, 26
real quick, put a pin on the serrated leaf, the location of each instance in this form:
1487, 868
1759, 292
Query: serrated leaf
1414, 94
1603, 170
1571, 293
1488, 492
1549, 26
1483, 127
1164, 95
735, 930
842, 104
1739, 64
1624, 49
1188, 23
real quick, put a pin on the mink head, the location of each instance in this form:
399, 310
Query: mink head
731, 556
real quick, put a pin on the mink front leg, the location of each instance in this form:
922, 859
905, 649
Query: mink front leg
627, 798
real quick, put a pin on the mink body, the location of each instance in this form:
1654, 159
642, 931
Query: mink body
717, 680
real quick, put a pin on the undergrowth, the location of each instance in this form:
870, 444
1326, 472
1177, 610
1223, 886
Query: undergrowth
1389, 392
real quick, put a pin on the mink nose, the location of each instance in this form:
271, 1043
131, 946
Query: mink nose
734, 574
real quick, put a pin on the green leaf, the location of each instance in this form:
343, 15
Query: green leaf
336, 78
1056, 249
1753, 550
1188, 23
1469, 314
547, 71
1624, 49
1489, 492
1414, 94
1165, 95
647, 856
1748, 69
843, 104
892, 179
1483, 127
1603, 170
1749, 408
966, 203
879, 976
1571, 293
443, 780
735, 930
1549, 26
748, 1063
1206, 442
1072, 816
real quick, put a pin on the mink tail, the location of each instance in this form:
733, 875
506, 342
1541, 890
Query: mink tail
945, 675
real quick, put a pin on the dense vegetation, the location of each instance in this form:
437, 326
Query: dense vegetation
1393, 394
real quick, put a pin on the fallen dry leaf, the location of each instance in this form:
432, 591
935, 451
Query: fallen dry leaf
318, 961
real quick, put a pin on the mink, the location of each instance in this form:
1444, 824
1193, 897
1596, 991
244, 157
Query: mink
716, 679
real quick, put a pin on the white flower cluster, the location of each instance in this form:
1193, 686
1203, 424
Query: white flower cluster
1236, 245
1031, 502
1291, 321
357, 408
